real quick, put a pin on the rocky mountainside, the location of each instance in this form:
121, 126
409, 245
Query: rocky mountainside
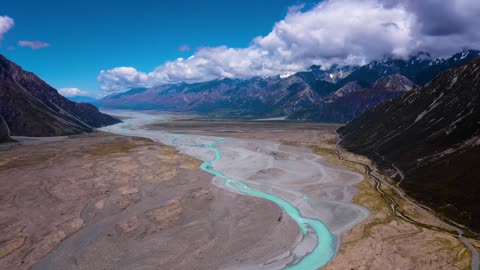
352, 99
304, 95
31, 107
433, 135
4, 131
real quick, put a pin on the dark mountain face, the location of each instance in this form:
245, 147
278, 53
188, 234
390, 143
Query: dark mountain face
304, 95
31, 107
433, 135
4, 131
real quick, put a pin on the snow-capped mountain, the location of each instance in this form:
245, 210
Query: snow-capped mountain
301, 95
420, 69
332, 74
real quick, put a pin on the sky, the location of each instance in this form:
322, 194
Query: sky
96, 47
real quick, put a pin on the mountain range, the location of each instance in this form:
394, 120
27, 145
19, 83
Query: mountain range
351, 100
432, 134
31, 107
337, 94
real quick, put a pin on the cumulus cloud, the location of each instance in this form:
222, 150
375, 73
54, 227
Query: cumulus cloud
184, 48
6, 23
73, 92
33, 44
445, 27
343, 32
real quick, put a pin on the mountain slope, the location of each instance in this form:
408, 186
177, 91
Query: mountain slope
352, 100
4, 131
31, 107
433, 135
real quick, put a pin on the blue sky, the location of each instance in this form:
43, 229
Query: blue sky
88, 36
103, 46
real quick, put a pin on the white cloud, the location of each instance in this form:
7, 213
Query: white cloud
73, 92
33, 44
6, 23
341, 32
333, 32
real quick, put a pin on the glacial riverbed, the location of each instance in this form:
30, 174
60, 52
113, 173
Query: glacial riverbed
275, 172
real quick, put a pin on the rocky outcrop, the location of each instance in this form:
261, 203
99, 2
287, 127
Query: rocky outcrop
394, 83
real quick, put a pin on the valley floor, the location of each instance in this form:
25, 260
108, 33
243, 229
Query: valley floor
132, 203
383, 240
103, 201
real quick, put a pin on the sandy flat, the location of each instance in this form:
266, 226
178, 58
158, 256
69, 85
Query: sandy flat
103, 201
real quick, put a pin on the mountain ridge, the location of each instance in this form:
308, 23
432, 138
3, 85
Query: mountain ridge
302, 95
31, 107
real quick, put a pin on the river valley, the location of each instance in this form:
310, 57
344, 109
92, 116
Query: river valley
172, 191
316, 196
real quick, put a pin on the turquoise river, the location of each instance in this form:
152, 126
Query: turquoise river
318, 256
324, 250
